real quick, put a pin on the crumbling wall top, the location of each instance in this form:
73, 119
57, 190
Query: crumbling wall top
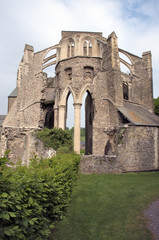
68, 33
29, 47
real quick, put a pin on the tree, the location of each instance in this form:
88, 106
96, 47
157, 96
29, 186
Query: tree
156, 106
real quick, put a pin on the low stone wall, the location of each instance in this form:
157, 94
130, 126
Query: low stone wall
139, 148
99, 164
24, 145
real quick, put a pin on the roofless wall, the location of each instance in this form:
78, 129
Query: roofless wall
119, 106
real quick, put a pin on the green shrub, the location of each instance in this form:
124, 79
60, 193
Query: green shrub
56, 138
33, 198
63, 150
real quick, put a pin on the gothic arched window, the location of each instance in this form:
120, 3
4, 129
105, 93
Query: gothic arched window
125, 91
87, 48
71, 48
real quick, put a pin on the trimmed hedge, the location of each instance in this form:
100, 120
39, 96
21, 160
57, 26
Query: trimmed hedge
33, 198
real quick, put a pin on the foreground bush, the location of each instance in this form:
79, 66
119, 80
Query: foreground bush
33, 198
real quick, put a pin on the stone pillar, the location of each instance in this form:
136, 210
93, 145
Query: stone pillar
56, 117
77, 125
62, 109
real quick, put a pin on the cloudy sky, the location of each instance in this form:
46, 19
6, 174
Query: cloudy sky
40, 22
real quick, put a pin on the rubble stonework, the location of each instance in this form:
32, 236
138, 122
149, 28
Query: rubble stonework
24, 145
118, 107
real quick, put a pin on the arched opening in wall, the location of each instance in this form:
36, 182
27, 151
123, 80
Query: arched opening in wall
82, 132
87, 48
68, 73
49, 116
88, 73
69, 112
87, 114
71, 48
125, 91
125, 58
124, 69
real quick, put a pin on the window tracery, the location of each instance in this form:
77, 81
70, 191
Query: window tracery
87, 48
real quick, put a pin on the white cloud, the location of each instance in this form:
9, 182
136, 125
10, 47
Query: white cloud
39, 23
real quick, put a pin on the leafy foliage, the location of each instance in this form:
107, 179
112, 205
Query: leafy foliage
56, 138
33, 198
156, 106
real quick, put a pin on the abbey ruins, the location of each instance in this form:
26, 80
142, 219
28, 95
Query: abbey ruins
122, 133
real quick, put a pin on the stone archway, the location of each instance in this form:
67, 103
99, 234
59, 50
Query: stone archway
49, 117
89, 115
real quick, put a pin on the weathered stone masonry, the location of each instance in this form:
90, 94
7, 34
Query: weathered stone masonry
121, 129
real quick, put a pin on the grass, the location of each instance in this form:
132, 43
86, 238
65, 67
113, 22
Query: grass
109, 207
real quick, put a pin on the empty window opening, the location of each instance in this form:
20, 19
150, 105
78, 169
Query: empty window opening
82, 133
87, 48
125, 91
87, 114
68, 72
88, 73
71, 47
49, 117
69, 112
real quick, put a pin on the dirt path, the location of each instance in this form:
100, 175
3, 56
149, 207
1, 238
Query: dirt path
152, 213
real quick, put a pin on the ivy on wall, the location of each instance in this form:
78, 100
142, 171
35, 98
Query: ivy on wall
56, 138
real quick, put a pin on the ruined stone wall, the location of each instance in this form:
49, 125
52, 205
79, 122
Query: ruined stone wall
27, 111
33, 89
99, 164
140, 79
108, 92
23, 145
76, 77
101, 90
111, 65
78, 39
138, 148
85, 62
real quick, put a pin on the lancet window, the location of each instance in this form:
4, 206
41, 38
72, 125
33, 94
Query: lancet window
87, 48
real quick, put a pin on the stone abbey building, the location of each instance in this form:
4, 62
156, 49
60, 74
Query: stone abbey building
122, 132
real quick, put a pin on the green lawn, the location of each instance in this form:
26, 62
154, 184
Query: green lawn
109, 207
